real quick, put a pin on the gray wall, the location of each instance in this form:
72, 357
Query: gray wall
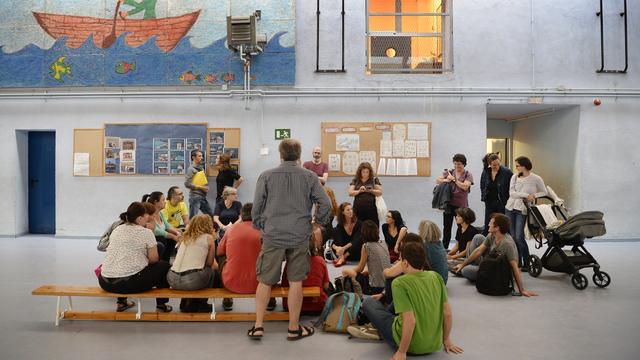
496, 45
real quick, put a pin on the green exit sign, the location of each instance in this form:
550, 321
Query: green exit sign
282, 134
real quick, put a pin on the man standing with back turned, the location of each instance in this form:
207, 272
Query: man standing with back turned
282, 211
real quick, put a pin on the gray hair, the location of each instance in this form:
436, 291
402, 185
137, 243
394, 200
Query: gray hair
228, 190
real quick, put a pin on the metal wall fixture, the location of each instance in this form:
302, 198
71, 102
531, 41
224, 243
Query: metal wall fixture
327, 71
623, 14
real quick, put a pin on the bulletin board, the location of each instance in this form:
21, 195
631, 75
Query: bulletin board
87, 152
151, 148
392, 148
220, 141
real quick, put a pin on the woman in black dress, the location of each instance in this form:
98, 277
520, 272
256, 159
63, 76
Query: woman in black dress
393, 231
364, 187
346, 236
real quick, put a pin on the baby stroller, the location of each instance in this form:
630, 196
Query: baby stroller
549, 223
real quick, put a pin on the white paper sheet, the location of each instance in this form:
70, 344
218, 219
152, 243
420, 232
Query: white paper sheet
402, 167
409, 148
347, 142
422, 149
368, 156
413, 166
417, 131
334, 162
386, 147
382, 167
391, 167
399, 132
81, 164
398, 148
350, 162
386, 135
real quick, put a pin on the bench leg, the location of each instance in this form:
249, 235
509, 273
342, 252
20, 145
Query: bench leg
213, 309
58, 311
139, 313
70, 303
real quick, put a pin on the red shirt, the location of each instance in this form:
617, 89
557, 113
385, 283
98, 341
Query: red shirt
242, 246
319, 169
318, 276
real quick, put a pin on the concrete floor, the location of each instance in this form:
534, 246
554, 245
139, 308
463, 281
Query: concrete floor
562, 323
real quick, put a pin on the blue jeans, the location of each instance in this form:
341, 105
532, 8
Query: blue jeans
201, 204
381, 318
517, 231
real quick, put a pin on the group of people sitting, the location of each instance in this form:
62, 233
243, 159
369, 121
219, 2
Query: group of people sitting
405, 273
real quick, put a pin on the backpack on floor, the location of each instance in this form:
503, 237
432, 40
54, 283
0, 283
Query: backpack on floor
494, 275
347, 284
340, 311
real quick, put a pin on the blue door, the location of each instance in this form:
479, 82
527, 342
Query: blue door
42, 185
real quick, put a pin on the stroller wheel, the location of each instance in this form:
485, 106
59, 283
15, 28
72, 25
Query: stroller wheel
579, 281
601, 279
534, 265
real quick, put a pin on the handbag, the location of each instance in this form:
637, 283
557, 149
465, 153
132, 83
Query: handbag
381, 206
98, 271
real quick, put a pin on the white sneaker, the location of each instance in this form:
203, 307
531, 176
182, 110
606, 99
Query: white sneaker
367, 332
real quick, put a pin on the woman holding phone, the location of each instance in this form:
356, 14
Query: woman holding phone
364, 187
461, 181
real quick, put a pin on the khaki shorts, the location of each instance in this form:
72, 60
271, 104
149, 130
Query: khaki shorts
269, 264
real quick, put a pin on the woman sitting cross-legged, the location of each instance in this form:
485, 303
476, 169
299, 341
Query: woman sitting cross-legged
465, 233
346, 236
393, 231
436, 254
375, 256
132, 263
318, 276
195, 264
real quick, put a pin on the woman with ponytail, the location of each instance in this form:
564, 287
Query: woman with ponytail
132, 263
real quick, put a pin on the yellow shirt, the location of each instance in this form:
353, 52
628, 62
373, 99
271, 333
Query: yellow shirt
173, 214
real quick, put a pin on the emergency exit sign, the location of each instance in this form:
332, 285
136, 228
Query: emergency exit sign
282, 134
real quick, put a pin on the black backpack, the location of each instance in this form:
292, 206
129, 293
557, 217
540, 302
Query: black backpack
494, 275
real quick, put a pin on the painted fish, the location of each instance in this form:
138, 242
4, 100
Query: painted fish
124, 67
211, 79
189, 77
228, 77
252, 77
59, 68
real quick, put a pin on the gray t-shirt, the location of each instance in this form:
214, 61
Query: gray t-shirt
377, 261
506, 246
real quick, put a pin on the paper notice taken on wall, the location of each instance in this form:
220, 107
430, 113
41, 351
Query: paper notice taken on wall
398, 148
80, 164
402, 167
368, 156
422, 148
399, 132
418, 132
386, 147
386, 135
382, 167
347, 142
350, 162
334, 162
409, 148
413, 167
391, 167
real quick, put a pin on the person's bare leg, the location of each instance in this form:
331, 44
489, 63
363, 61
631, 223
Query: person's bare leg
295, 305
263, 293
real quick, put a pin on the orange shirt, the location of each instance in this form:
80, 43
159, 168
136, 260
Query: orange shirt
318, 276
242, 245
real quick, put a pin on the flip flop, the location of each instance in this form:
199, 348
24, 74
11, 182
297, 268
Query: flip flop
298, 333
164, 308
122, 306
252, 333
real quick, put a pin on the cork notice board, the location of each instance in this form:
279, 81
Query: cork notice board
88, 141
392, 148
219, 141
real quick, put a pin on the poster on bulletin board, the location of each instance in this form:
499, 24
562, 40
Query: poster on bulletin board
151, 148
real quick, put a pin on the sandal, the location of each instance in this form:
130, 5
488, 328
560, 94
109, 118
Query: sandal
122, 306
164, 308
252, 333
298, 333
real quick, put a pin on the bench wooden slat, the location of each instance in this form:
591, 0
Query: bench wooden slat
173, 316
96, 291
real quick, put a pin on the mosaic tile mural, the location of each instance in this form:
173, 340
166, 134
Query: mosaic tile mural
57, 43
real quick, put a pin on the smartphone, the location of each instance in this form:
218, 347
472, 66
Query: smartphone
445, 173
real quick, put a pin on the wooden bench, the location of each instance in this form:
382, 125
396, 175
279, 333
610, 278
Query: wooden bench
94, 291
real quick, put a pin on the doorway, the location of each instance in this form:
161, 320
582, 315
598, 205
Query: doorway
41, 182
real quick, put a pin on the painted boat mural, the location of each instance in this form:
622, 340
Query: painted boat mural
76, 29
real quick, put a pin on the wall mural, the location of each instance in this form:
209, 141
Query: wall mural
45, 43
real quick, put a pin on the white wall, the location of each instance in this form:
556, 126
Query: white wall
494, 47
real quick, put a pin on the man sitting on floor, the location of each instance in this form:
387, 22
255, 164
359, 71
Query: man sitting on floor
420, 298
497, 240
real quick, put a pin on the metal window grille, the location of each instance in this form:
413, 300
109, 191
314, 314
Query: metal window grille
409, 37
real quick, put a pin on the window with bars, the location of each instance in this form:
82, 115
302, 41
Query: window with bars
409, 37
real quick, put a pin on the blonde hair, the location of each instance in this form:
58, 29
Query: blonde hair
199, 225
429, 231
228, 190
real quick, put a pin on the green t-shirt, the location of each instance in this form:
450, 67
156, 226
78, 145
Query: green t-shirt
423, 293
